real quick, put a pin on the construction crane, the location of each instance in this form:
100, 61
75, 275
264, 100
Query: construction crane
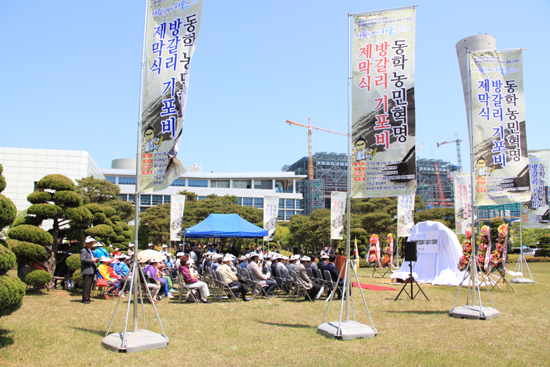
457, 141
309, 127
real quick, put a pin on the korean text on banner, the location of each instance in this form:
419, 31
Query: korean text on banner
177, 206
463, 204
405, 215
383, 113
498, 119
172, 32
271, 210
337, 210
536, 211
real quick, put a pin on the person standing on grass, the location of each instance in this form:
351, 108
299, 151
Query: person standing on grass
87, 268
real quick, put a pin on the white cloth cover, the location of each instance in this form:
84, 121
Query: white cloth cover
440, 268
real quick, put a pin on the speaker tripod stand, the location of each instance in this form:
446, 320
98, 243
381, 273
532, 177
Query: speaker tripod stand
410, 280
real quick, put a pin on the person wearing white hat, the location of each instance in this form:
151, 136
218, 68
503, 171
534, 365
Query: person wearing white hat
153, 273
312, 290
312, 265
281, 268
323, 262
164, 249
264, 281
229, 277
87, 268
194, 283
130, 249
150, 245
217, 260
99, 251
244, 262
107, 273
292, 262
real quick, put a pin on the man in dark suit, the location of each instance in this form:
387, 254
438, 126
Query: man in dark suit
335, 274
87, 268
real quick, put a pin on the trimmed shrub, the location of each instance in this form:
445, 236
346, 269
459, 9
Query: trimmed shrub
77, 276
73, 262
109, 211
28, 250
56, 182
362, 254
80, 215
99, 217
8, 211
68, 198
37, 278
32, 234
120, 239
117, 229
12, 291
115, 218
7, 260
362, 248
32, 221
4, 244
124, 226
2, 183
128, 235
39, 197
101, 230
94, 208
45, 210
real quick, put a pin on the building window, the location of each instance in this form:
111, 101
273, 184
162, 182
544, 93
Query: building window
198, 183
111, 179
284, 186
220, 184
247, 201
126, 180
298, 203
263, 184
258, 203
281, 215
132, 199
142, 209
290, 203
157, 199
123, 197
281, 203
178, 182
241, 184
202, 197
288, 214
145, 200
167, 199
240, 201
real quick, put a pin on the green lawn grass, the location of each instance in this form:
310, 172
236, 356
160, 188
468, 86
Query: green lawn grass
55, 329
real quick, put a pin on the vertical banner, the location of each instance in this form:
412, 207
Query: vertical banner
177, 206
337, 210
383, 113
271, 209
405, 215
172, 32
498, 121
535, 211
463, 204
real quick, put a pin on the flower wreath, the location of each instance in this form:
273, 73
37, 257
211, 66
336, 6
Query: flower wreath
466, 250
374, 251
484, 251
387, 259
497, 259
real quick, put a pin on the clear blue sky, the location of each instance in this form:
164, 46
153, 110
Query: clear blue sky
71, 72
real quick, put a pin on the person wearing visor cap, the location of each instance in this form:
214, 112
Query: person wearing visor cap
99, 251
312, 290
323, 262
130, 249
193, 283
229, 277
264, 281
87, 268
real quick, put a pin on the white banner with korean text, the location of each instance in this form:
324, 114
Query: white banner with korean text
337, 211
463, 205
405, 215
536, 211
172, 32
498, 121
426, 242
383, 104
177, 207
271, 210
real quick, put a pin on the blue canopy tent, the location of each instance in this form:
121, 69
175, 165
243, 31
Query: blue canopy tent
224, 226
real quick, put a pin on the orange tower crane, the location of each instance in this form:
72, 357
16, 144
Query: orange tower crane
309, 127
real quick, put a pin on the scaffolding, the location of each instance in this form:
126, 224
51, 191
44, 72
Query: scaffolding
329, 174
427, 186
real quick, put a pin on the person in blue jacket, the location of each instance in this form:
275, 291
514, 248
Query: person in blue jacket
335, 274
100, 250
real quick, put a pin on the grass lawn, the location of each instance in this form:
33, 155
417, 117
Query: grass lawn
55, 329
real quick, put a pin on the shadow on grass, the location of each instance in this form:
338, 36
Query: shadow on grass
5, 340
95, 332
295, 326
33, 292
422, 312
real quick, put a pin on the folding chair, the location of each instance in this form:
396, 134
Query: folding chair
380, 271
182, 286
501, 276
223, 287
299, 286
256, 282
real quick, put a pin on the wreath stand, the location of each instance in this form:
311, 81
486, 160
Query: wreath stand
520, 266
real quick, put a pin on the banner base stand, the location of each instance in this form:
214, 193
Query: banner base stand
348, 330
135, 341
474, 312
522, 281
